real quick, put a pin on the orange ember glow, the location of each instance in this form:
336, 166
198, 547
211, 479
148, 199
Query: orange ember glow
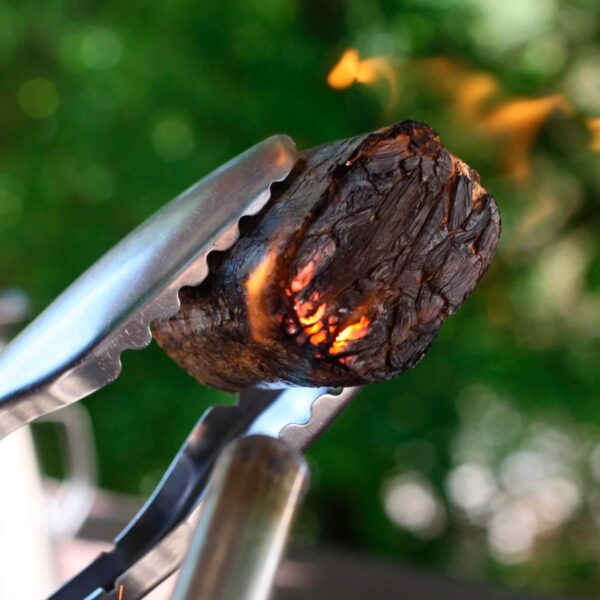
258, 314
351, 69
319, 329
303, 278
350, 333
314, 328
318, 338
594, 127
313, 318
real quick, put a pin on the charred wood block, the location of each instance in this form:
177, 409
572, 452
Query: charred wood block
346, 276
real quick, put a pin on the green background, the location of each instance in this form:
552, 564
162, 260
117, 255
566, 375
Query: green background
108, 109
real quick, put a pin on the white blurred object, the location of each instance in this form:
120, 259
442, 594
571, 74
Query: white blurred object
71, 502
14, 307
27, 568
411, 504
32, 521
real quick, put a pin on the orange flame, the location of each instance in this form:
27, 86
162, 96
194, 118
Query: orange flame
468, 89
594, 127
519, 121
516, 122
351, 69
350, 333
258, 314
475, 90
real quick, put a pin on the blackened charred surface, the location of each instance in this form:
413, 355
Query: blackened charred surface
372, 242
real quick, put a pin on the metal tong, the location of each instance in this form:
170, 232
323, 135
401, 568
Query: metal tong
73, 349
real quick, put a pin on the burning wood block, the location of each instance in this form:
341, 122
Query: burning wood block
347, 275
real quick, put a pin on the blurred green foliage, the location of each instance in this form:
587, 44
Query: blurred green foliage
108, 109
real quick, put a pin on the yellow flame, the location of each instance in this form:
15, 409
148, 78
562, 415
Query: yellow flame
351, 69
258, 314
594, 127
356, 331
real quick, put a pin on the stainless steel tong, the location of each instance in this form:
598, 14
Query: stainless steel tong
73, 349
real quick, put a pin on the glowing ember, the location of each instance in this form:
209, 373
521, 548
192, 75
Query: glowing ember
312, 318
317, 338
350, 333
351, 69
303, 278
314, 328
594, 126
260, 324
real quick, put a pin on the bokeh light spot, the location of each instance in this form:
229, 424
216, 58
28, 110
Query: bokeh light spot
38, 98
93, 48
173, 138
96, 184
10, 209
411, 504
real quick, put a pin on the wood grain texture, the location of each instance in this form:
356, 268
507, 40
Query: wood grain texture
348, 274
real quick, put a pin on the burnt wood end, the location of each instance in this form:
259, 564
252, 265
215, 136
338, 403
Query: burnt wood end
347, 275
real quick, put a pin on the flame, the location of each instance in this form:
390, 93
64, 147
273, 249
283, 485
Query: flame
351, 69
515, 124
594, 127
475, 90
525, 113
468, 89
519, 121
350, 333
260, 324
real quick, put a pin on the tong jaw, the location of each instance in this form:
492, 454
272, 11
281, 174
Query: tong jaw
74, 347
298, 416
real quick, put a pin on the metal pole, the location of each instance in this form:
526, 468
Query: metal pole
254, 494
